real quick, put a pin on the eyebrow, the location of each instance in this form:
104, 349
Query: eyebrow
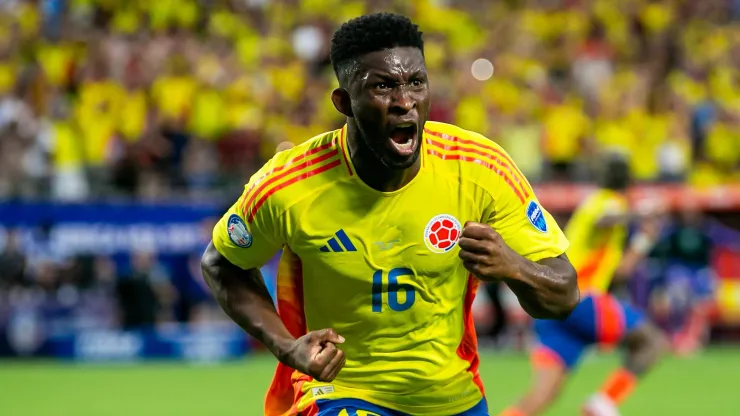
386, 75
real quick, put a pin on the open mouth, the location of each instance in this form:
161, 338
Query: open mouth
403, 138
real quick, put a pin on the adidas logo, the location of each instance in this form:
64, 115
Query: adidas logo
320, 391
333, 243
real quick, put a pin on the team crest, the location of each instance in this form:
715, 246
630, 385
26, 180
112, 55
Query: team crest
441, 233
536, 216
238, 232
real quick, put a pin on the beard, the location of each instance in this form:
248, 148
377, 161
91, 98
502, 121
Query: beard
383, 155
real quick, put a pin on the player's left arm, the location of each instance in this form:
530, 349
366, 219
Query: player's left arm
518, 242
546, 289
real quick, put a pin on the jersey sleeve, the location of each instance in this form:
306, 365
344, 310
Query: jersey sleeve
592, 210
252, 230
519, 217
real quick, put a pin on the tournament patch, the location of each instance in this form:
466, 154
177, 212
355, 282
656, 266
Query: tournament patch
238, 232
536, 216
441, 233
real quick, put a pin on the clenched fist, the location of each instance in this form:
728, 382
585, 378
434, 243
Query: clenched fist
485, 254
316, 354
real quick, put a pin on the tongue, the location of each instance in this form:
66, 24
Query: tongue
400, 136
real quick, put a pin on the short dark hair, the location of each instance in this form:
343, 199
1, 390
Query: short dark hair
372, 33
615, 173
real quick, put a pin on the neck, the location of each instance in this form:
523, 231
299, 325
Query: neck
371, 170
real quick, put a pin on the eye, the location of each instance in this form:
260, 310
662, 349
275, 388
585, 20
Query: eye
383, 86
417, 82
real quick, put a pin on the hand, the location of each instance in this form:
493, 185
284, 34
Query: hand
316, 354
485, 254
650, 208
651, 227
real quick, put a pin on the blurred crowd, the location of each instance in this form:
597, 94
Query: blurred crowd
41, 285
101, 290
186, 98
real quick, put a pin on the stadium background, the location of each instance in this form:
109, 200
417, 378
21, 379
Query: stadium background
127, 127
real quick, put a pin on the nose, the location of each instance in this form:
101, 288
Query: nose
403, 101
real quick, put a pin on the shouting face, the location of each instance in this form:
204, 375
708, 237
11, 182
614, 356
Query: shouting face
389, 98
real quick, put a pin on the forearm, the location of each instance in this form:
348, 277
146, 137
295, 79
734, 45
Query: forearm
627, 266
638, 249
547, 289
244, 297
611, 220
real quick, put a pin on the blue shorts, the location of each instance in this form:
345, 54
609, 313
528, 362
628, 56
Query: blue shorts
597, 320
689, 282
352, 407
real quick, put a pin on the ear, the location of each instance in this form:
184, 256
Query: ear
342, 102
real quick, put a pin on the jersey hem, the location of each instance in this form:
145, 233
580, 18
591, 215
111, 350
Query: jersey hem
443, 410
459, 404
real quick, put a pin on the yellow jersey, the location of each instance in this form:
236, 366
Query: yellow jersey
596, 252
382, 268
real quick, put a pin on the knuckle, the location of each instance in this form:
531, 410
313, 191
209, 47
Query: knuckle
492, 247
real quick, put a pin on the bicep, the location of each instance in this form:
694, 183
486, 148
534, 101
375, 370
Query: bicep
552, 289
221, 274
214, 263
561, 265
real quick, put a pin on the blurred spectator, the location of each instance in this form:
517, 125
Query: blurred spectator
592, 66
688, 282
12, 263
197, 299
146, 295
97, 288
686, 289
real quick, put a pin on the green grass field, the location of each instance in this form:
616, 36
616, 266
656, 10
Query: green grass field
704, 385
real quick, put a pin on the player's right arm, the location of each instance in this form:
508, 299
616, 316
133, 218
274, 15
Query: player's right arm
639, 247
243, 241
244, 297
615, 211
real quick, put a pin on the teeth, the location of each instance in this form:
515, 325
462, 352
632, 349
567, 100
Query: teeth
402, 125
406, 145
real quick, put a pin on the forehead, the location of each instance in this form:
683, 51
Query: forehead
396, 61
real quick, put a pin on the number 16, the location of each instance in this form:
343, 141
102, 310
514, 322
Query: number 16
392, 289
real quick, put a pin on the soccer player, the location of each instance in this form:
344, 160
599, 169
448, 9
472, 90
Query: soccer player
387, 225
597, 233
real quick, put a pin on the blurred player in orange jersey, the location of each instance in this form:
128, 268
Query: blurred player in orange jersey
598, 232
